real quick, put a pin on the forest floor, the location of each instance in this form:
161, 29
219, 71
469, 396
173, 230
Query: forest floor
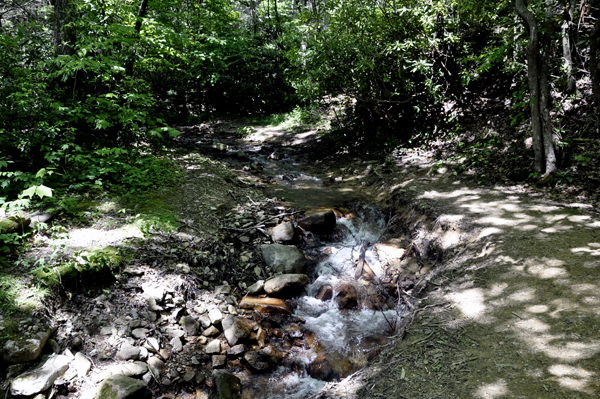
510, 307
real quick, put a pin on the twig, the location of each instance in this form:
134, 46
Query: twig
514, 314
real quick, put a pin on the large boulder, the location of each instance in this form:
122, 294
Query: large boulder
236, 329
121, 387
283, 258
25, 349
320, 221
321, 369
40, 378
286, 285
265, 305
226, 385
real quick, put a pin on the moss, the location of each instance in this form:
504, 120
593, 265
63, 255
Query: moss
97, 269
154, 211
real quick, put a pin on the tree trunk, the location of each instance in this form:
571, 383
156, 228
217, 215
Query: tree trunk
64, 34
567, 47
594, 64
138, 28
537, 75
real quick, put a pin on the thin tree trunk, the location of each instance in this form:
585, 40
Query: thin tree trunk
545, 99
594, 64
138, 28
567, 47
533, 74
64, 34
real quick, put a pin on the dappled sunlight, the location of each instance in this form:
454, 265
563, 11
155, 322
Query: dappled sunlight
575, 378
538, 309
470, 302
497, 389
90, 237
524, 295
488, 231
587, 250
532, 325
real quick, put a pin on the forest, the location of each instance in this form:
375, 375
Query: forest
194, 137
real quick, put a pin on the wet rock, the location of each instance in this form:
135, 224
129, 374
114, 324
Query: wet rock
226, 385
265, 305
213, 347
236, 329
41, 377
215, 316
347, 297
325, 293
321, 369
320, 221
190, 325
81, 365
283, 258
121, 387
283, 232
286, 285
157, 367
257, 287
263, 359
25, 348
128, 351
219, 361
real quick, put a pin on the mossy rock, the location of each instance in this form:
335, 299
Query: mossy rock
98, 269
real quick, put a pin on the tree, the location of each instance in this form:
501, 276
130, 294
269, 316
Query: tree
539, 93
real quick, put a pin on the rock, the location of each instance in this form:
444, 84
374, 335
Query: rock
219, 361
321, 369
189, 375
283, 232
224, 289
320, 221
121, 387
54, 346
152, 344
204, 321
215, 316
176, 345
235, 329
213, 347
347, 297
128, 351
226, 385
265, 305
190, 325
257, 287
325, 293
157, 367
41, 377
139, 333
236, 350
76, 342
263, 359
211, 331
286, 285
132, 369
261, 337
173, 332
154, 292
81, 364
25, 349
390, 252
283, 258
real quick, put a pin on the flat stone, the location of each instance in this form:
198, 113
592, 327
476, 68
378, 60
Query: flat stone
176, 345
189, 375
157, 366
139, 333
224, 289
213, 347
152, 344
219, 361
215, 316
174, 332
127, 351
120, 387
236, 350
211, 331
283, 258
81, 365
286, 285
263, 359
40, 378
129, 369
265, 305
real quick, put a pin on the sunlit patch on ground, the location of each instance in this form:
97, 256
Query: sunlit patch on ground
497, 389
